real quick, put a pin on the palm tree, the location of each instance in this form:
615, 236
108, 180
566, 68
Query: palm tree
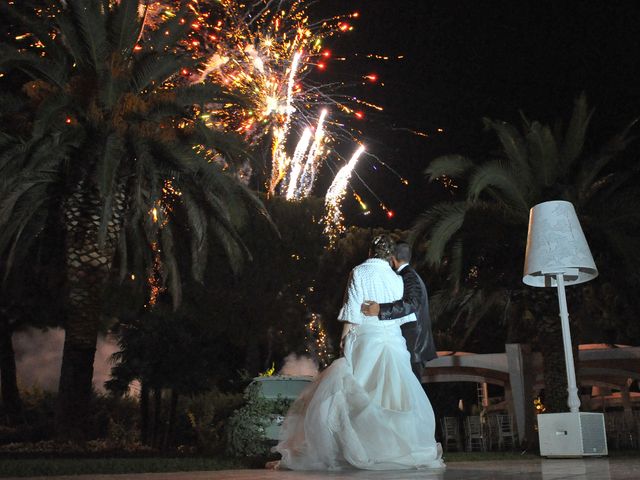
111, 155
481, 238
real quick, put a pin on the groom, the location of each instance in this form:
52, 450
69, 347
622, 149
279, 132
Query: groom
414, 299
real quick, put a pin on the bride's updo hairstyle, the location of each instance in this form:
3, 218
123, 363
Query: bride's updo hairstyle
382, 246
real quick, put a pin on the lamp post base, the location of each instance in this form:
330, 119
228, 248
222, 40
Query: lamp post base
570, 435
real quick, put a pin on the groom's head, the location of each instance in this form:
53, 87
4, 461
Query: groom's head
401, 255
382, 247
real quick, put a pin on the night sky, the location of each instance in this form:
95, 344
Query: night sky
465, 60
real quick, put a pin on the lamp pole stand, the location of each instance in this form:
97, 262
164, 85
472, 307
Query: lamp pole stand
573, 400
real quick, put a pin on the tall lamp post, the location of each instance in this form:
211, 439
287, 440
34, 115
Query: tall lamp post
558, 255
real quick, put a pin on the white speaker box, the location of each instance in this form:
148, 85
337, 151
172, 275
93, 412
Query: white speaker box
572, 434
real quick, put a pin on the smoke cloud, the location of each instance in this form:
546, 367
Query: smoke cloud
39, 357
295, 365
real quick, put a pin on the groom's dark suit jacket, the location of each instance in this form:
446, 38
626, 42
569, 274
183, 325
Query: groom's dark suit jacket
414, 300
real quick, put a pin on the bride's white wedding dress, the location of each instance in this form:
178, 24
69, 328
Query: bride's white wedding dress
367, 409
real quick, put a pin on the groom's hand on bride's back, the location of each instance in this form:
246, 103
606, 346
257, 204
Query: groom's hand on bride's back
370, 308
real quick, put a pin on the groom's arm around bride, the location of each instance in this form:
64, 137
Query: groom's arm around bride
414, 299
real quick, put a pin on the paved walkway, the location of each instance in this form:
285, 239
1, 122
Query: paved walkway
558, 469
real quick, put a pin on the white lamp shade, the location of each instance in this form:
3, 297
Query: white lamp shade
556, 244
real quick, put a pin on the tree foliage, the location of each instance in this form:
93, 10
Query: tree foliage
113, 151
479, 239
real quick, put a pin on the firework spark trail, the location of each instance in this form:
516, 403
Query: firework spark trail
308, 176
279, 156
333, 219
296, 163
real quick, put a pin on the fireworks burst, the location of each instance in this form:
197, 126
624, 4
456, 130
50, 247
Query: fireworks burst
334, 220
266, 50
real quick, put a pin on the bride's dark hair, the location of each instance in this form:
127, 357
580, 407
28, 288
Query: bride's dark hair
382, 246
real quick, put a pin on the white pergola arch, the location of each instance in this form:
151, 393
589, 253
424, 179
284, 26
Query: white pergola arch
519, 371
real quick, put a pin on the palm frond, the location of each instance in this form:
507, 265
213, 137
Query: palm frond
205, 93
445, 221
592, 167
543, 154
482, 306
456, 263
12, 158
122, 253
20, 189
35, 27
175, 159
611, 184
230, 145
234, 248
33, 217
425, 222
49, 113
198, 226
169, 33
11, 103
513, 146
256, 205
492, 178
222, 225
161, 111
90, 26
70, 37
109, 160
111, 154
576, 132
452, 166
17, 213
170, 271
33, 65
445, 302
154, 69
124, 27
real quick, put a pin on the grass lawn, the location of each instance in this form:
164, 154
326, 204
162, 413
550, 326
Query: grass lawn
32, 467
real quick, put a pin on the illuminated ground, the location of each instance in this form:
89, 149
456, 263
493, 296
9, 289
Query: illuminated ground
569, 469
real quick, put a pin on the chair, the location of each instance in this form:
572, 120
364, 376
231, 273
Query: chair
611, 428
621, 430
474, 434
506, 435
627, 425
451, 433
491, 423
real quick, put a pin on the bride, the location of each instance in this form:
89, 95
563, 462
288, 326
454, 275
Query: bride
367, 409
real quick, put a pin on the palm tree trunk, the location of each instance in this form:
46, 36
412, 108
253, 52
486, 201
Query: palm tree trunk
76, 374
168, 438
157, 410
11, 401
144, 413
88, 267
